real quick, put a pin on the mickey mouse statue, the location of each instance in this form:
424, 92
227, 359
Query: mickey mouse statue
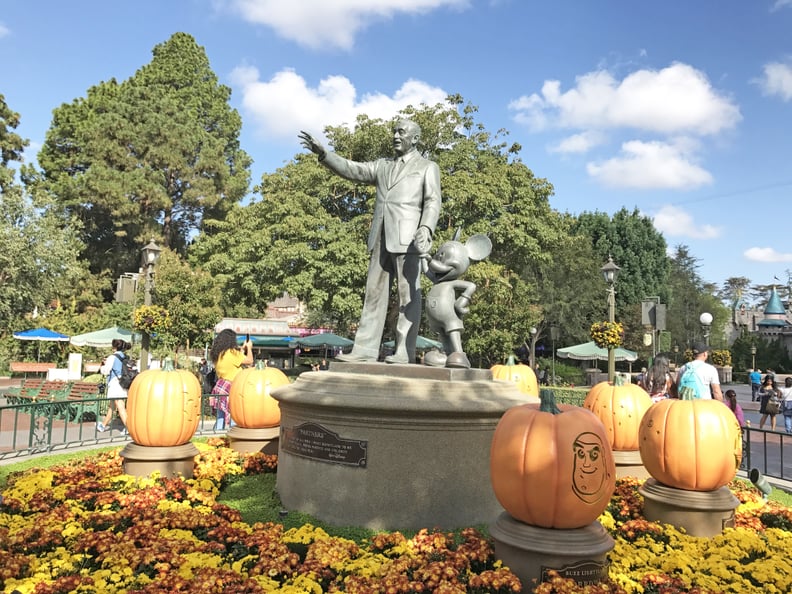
444, 310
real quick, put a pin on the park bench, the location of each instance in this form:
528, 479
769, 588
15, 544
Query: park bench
66, 397
82, 390
31, 367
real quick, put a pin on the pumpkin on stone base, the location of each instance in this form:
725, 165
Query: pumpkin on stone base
163, 406
551, 465
695, 445
250, 400
517, 373
620, 407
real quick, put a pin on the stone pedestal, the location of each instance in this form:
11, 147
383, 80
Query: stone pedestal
245, 440
530, 552
391, 447
170, 461
629, 463
700, 513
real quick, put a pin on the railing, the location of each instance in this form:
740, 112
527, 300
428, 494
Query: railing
769, 452
41, 427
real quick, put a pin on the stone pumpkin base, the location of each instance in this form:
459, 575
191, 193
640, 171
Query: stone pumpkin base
629, 463
530, 552
246, 440
700, 513
169, 461
391, 447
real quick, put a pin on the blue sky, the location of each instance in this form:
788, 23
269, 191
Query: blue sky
680, 109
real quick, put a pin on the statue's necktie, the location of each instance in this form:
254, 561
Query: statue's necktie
397, 167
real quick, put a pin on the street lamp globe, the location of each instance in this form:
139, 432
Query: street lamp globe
706, 319
151, 252
610, 271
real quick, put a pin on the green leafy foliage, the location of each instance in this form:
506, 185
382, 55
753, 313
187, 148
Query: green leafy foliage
153, 156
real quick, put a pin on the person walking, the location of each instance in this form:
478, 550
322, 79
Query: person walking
703, 378
786, 404
116, 395
769, 402
755, 379
406, 209
228, 360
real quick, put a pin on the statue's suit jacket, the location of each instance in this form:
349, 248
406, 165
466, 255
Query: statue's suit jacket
402, 204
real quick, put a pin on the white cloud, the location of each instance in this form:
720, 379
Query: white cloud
286, 103
322, 23
777, 80
766, 254
578, 143
4, 30
779, 4
645, 165
672, 221
677, 99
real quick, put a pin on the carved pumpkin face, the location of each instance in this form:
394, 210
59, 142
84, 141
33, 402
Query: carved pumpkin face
590, 473
517, 373
620, 408
694, 445
552, 470
163, 406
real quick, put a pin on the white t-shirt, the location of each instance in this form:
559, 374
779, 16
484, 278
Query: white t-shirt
706, 373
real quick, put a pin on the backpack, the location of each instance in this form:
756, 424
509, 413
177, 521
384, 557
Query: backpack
128, 373
691, 381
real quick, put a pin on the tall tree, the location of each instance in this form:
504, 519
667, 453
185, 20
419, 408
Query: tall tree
192, 298
38, 252
635, 246
689, 299
154, 156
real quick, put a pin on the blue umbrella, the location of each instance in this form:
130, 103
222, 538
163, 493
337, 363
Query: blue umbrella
41, 334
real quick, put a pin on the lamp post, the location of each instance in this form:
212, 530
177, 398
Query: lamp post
676, 352
150, 255
553, 336
609, 272
753, 356
532, 354
706, 324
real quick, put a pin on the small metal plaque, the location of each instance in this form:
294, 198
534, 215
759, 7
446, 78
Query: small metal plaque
584, 573
728, 521
311, 440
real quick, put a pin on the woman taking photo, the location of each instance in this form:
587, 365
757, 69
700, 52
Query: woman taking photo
228, 360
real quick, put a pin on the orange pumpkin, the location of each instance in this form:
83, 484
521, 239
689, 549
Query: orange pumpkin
250, 402
163, 406
620, 407
517, 373
551, 465
691, 444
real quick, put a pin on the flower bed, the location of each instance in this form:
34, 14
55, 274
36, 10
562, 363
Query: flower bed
86, 527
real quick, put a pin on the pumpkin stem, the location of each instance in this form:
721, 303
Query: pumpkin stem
510, 361
618, 380
261, 364
167, 365
547, 402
